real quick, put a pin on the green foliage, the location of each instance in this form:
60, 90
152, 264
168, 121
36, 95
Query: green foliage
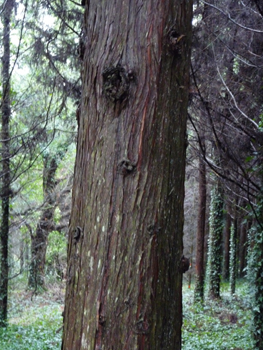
33, 326
57, 244
44, 78
218, 324
56, 253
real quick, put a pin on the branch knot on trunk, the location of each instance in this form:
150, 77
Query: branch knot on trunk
125, 167
175, 41
116, 82
184, 264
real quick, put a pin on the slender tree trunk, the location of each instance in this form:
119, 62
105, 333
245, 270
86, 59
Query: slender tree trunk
125, 235
199, 283
227, 244
242, 249
5, 179
215, 242
233, 250
44, 226
22, 248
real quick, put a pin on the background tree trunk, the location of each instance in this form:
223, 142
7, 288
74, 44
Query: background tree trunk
199, 283
243, 248
125, 235
227, 243
255, 273
44, 226
5, 185
215, 241
233, 256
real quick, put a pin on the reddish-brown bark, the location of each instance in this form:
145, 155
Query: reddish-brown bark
124, 285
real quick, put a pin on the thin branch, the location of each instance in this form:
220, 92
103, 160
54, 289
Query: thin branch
3, 7
257, 6
234, 100
62, 19
231, 19
76, 3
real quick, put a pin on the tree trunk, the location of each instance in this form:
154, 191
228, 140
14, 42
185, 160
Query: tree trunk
125, 235
243, 249
5, 186
44, 226
215, 241
233, 250
255, 273
227, 244
199, 283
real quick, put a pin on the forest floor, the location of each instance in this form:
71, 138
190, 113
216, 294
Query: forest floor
223, 324
35, 321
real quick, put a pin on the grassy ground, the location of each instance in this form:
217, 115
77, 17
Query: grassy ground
35, 321
217, 325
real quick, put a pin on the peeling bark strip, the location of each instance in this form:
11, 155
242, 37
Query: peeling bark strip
125, 284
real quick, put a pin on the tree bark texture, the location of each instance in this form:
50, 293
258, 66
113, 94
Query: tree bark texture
5, 178
125, 235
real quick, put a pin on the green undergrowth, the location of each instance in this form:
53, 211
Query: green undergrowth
34, 321
217, 324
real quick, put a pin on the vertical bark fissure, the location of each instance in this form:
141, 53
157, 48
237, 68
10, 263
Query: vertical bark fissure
110, 232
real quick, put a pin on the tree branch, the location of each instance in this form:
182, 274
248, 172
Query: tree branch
231, 19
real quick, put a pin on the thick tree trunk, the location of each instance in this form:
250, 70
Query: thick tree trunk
125, 235
44, 226
199, 283
5, 178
